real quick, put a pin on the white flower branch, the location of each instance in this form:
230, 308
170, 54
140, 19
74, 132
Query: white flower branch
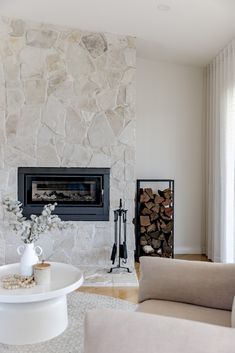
30, 229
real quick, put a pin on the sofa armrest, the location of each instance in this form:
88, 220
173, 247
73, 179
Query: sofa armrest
109, 331
200, 283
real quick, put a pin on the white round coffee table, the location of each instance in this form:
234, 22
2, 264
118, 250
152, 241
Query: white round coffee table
39, 313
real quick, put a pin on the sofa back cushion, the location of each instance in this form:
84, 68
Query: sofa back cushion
233, 314
201, 283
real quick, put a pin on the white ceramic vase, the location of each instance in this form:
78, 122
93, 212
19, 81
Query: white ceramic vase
29, 257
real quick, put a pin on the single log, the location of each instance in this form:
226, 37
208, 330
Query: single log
144, 197
158, 225
161, 236
158, 199
162, 224
148, 249
166, 218
149, 205
167, 202
169, 211
156, 243
156, 209
166, 256
146, 211
149, 191
154, 216
145, 221
151, 228
143, 241
148, 236
168, 227
170, 240
155, 235
167, 250
167, 193
149, 241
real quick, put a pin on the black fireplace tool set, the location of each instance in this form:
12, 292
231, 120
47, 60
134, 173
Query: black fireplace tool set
119, 249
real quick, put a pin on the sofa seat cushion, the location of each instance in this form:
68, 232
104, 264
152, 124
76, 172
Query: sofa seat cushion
186, 311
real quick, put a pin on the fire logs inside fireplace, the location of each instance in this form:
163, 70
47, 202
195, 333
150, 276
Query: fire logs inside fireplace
156, 222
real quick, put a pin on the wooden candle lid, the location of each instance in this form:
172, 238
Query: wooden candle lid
42, 266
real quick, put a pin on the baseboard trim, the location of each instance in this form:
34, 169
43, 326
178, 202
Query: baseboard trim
188, 250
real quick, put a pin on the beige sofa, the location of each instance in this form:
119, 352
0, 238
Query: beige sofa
192, 306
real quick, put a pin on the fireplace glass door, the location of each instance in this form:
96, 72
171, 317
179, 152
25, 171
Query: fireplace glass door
79, 190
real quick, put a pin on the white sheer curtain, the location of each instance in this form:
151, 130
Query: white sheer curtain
220, 190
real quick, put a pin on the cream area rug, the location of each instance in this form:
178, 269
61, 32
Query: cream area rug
99, 277
71, 341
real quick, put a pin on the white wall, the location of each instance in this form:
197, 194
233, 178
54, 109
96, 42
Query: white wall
170, 141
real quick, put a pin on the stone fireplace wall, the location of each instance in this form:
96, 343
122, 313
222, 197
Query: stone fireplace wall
67, 98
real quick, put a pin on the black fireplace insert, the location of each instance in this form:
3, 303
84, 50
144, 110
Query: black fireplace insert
81, 194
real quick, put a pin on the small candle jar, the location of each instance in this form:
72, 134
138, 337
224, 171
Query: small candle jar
42, 273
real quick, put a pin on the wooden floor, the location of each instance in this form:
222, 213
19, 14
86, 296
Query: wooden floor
130, 293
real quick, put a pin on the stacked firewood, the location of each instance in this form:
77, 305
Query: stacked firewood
156, 222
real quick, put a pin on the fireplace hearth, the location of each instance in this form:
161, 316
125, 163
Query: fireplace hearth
82, 194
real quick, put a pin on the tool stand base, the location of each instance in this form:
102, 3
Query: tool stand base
117, 267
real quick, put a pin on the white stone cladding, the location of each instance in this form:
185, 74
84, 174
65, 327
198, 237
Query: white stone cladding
67, 98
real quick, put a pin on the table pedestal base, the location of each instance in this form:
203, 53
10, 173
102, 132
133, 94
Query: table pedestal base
28, 323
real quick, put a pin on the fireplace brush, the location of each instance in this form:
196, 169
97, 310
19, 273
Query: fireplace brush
119, 246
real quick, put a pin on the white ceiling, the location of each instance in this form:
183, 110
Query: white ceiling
193, 31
